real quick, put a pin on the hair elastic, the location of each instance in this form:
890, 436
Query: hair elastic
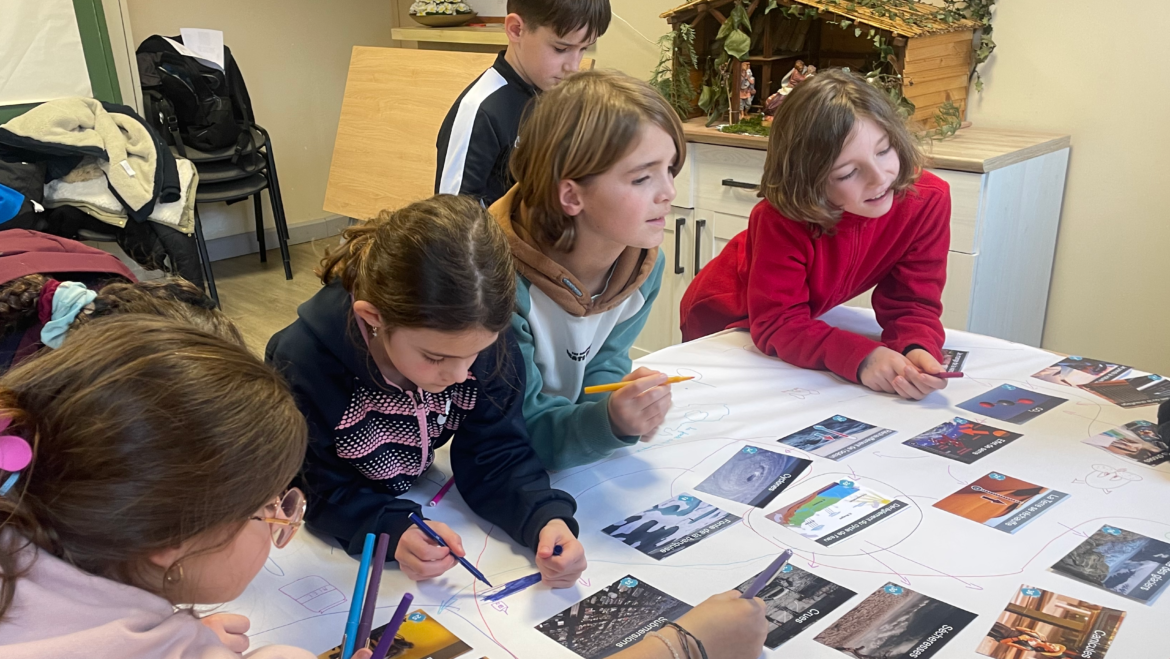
68, 299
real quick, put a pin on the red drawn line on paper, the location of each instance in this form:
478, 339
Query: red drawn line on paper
965, 583
892, 570
475, 595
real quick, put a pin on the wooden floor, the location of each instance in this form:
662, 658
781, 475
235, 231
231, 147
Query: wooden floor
256, 295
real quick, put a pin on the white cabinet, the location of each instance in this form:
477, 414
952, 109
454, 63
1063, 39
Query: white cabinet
1006, 193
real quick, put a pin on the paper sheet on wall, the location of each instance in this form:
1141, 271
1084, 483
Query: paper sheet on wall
205, 45
40, 52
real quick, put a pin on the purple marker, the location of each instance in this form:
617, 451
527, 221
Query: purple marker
392, 627
767, 575
367, 619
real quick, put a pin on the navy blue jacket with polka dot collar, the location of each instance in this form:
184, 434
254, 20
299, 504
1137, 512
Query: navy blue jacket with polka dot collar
370, 440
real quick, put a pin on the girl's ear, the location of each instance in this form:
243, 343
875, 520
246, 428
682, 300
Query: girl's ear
165, 558
569, 193
368, 313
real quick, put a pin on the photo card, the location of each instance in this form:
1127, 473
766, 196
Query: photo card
796, 599
953, 360
1075, 371
1038, 624
1137, 391
613, 618
962, 440
671, 526
1013, 404
1137, 441
837, 511
836, 437
419, 637
896, 623
1004, 503
754, 476
1122, 562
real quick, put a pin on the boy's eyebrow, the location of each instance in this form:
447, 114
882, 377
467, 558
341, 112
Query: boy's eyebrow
570, 44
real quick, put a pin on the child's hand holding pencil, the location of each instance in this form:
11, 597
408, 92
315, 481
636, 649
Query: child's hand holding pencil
639, 406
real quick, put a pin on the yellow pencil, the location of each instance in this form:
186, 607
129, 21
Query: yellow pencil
602, 388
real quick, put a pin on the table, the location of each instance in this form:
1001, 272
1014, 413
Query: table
741, 398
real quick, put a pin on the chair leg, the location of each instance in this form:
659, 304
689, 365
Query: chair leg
277, 207
208, 275
260, 227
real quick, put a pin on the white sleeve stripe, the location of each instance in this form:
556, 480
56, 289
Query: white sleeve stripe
460, 139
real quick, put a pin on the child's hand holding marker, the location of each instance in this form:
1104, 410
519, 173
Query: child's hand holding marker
640, 408
559, 570
911, 376
421, 558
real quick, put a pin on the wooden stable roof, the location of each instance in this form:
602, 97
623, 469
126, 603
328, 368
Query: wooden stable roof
905, 18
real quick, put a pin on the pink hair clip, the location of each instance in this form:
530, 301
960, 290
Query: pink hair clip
15, 455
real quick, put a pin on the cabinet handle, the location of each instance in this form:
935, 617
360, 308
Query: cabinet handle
732, 183
678, 225
699, 224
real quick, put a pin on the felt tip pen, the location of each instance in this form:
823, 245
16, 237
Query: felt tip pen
767, 575
355, 605
422, 525
948, 375
442, 492
392, 628
366, 621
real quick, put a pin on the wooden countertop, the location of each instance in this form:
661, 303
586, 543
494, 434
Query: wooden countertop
972, 149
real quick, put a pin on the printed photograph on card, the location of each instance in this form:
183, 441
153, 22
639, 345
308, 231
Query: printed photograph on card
1133, 392
795, 600
953, 360
1039, 623
836, 437
1074, 371
1004, 503
896, 623
419, 637
1138, 441
1013, 404
838, 511
613, 618
671, 526
963, 440
754, 476
1122, 562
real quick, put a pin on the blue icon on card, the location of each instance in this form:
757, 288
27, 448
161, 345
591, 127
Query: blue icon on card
786, 569
893, 590
685, 498
629, 582
1110, 530
1031, 592
751, 450
1155, 378
849, 484
996, 477
1009, 387
417, 616
839, 418
1076, 358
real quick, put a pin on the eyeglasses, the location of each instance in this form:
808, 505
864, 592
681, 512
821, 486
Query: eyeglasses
284, 516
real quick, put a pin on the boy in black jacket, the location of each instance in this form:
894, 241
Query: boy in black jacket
546, 39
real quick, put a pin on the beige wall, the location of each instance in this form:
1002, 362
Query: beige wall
1087, 69
294, 55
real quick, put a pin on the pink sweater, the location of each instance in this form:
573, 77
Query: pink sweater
60, 611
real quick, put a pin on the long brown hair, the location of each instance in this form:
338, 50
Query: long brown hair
578, 129
442, 264
146, 432
808, 133
170, 297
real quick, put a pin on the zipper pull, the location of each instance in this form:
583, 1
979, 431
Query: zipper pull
446, 412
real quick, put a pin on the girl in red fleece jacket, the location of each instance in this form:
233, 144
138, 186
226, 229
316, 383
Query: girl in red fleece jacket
847, 207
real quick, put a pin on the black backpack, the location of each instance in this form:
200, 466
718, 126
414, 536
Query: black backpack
193, 104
